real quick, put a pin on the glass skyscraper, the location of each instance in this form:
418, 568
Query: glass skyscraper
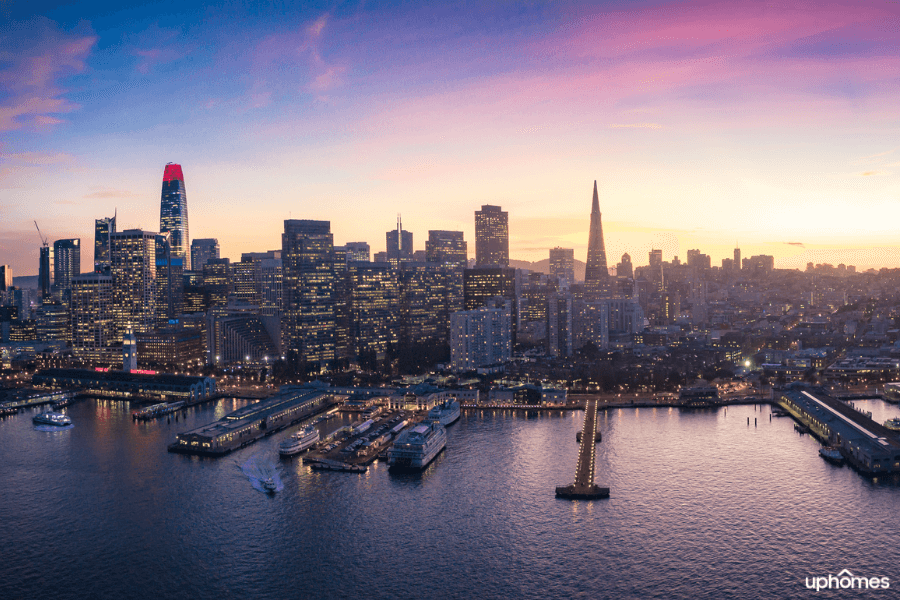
173, 214
102, 229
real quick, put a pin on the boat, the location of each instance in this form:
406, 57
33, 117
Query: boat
445, 413
269, 485
157, 410
8, 411
832, 454
415, 448
52, 418
893, 424
299, 442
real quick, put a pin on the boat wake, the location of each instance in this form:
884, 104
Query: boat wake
259, 471
51, 428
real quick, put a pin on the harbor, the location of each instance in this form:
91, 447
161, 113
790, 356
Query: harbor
246, 425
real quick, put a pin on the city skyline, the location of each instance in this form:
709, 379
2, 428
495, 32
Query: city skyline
773, 123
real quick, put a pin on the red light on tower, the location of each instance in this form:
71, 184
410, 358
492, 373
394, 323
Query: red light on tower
173, 172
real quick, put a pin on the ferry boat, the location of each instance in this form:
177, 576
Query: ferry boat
893, 424
445, 413
52, 418
415, 448
269, 485
891, 392
299, 441
832, 455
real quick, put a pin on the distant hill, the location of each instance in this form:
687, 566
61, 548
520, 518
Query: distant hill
26, 281
543, 266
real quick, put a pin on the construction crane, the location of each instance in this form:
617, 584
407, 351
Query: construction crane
43, 239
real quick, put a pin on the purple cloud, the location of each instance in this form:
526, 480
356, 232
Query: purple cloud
35, 58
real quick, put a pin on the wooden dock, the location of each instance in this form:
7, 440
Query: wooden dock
584, 488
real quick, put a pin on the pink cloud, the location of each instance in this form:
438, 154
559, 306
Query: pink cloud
36, 64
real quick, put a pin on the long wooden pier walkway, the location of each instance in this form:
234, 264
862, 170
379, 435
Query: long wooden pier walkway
584, 487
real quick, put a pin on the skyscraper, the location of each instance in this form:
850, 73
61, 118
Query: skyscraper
309, 291
562, 265
625, 268
92, 317
203, 250
399, 244
737, 259
5, 277
133, 258
45, 271
596, 274
66, 263
173, 213
491, 237
447, 248
102, 228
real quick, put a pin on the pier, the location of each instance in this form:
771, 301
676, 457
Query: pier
584, 488
869, 447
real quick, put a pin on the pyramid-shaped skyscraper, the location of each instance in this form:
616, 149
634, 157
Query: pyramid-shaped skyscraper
596, 275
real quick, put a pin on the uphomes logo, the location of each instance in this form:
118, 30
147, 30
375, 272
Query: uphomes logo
845, 580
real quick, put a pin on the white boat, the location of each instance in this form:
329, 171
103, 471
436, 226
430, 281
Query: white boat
416, 447
52, 418
445, 413
893, 424
269, 485
299, 442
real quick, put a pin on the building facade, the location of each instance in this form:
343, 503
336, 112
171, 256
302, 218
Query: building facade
309, 292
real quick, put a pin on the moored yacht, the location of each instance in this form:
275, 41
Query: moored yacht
299, 442
445, 413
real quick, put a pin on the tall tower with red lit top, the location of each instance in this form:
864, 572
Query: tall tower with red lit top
173, 214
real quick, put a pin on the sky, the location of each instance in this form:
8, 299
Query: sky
770, 125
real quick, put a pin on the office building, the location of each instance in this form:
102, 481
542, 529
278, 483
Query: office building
562, 265
360, 252
399, 245
625, 268
102, 229
66, 263
93, 327
133, 268
218, 281
173, 213
447, 248
6, 277
308, 305
596, 274
491, 237
202, 251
